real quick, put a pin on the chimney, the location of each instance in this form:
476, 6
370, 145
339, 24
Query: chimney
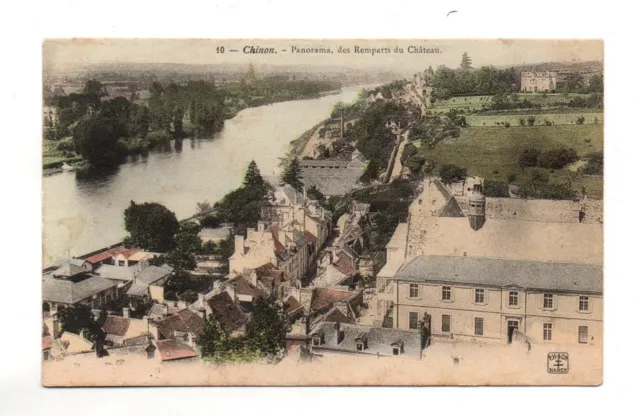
201, 298
261, 226
125, 313
339, 334
282, 237
55, 331
239, 245
231, 290
304, 193
254, 277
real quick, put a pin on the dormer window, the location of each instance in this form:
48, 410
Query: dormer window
397, 347
318, 339
361, 343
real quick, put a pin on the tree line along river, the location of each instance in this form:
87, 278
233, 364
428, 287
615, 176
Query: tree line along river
82, 215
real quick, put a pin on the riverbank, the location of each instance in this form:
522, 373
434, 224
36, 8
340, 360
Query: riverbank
84, 213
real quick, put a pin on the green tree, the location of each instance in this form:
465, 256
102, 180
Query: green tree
452, 173
268, 327
315, 194
596, 84
76, 318
253, 176
465, 63
213, 338
151, 226
528, 158
95, 140
291, 175
224, 250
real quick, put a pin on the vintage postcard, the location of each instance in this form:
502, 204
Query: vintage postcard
322, 212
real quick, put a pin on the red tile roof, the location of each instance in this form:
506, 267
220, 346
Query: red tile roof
279, 246
344, 265
228, 313
326, 297
116, 325
291, 306
129, 252
184, 321
312, 238
105, 255
173, 350
47, 342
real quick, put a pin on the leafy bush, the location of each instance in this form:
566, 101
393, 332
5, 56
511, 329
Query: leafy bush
557, 158
452, 173
580, 120
529, 158
66, 145
595, 165
495, 189
531, 120
210, 221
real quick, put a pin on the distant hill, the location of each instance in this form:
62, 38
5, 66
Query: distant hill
566, 66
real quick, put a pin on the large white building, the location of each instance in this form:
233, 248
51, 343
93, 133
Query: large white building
515, 272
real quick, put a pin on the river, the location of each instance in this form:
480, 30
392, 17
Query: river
82, 215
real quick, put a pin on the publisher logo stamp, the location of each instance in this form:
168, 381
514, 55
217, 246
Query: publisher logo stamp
558, 363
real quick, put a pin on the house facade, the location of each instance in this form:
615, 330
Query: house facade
494, 300
538, 81
473, 268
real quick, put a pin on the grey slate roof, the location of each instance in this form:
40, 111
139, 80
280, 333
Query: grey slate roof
138, 289
116, 272
570, 277
379, 340
69, 270
152, 274
65, 291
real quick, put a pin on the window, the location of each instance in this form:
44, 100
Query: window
479, 295
546, 331
316, 341
583, 334
446, 292
46, 355
446, 323
584, 304
513, 298
120, 263
413, 320
479, 326
548, 301
413, 290
396, 351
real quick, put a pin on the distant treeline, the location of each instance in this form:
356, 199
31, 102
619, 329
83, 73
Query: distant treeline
105, 130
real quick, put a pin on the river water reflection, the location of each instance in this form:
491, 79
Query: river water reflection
81, 215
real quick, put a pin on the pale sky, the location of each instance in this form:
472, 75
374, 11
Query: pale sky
65, 53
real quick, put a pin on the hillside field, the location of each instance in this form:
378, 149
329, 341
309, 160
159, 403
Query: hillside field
484, 150
565, 118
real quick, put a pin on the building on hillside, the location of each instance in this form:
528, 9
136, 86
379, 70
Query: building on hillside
286, 248
171, 350
228, 313
72, 285
343, 338
529, 270
333, 177
291, 210
118, 256
538, 81
121, 330
184, 327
